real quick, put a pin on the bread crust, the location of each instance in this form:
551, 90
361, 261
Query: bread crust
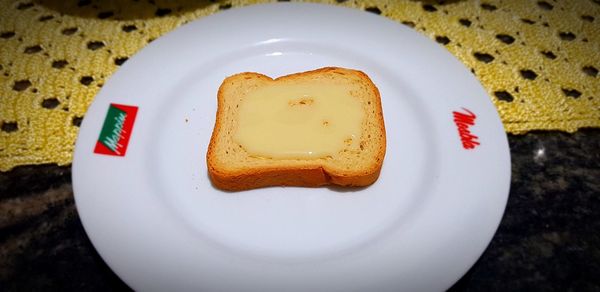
309, 174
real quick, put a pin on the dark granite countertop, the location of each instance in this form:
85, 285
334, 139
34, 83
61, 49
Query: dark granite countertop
548, 240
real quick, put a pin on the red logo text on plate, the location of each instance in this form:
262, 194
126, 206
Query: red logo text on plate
464, 120
116, 130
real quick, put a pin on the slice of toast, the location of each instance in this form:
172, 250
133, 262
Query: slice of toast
231, 167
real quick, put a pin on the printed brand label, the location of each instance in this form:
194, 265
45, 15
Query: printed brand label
115, 133
464, 121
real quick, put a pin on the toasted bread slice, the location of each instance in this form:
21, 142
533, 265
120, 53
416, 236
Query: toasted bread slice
231, 167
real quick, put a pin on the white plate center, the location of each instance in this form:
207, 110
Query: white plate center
279, 222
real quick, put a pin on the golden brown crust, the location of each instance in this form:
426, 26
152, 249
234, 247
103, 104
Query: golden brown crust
308, 175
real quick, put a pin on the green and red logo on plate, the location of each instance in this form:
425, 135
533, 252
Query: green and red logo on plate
116, 130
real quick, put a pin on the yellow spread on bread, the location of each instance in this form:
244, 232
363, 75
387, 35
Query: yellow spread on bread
299, 121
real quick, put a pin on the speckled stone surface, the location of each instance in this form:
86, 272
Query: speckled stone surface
548, 240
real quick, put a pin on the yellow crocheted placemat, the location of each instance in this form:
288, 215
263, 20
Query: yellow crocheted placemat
538, 60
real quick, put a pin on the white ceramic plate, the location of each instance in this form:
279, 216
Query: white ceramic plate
159, 224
